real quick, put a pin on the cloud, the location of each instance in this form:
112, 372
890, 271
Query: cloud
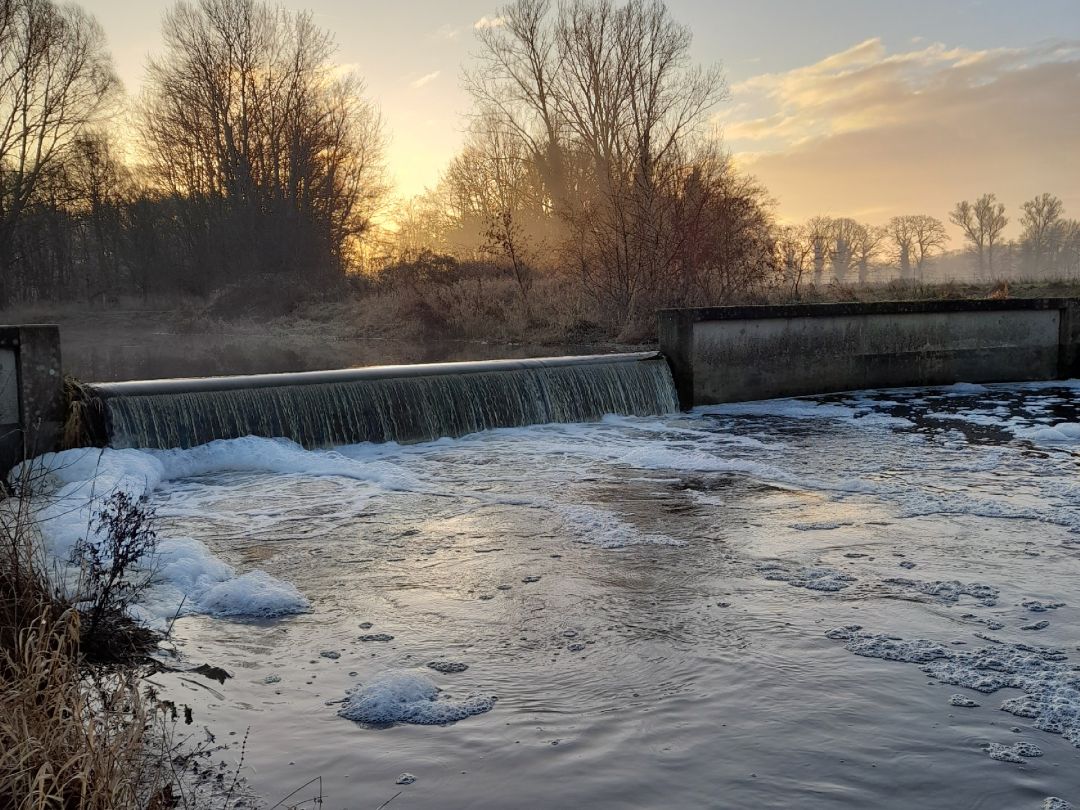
489, 22
446, 31
866, 130
427, 78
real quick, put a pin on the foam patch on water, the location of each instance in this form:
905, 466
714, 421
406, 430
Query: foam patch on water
70, 487
1050, 684
1060, 433
964, 389
809, 409
1015, 753
813, 578
405, 696
284, 457
255, 593
949, 592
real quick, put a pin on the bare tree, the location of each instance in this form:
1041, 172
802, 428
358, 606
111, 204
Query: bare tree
930, 238
819, 231
515, 82
915, 238
608, 104
1070, 253
1040, 242
246, 115
56, 79
868, 243
844, 237
982, 224
794, 251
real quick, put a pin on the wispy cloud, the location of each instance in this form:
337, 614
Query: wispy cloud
427, 78
489, 22
865, 128
446, 31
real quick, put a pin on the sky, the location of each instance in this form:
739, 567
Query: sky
858, 108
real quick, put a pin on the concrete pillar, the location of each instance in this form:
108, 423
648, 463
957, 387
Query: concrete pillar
31, 393
675, 329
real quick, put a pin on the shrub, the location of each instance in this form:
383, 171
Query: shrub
112, 579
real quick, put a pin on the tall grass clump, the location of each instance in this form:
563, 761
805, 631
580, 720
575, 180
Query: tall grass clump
71, 736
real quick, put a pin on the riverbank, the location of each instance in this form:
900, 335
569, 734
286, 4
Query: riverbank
135, 339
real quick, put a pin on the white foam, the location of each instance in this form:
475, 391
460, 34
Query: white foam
603, 528
407, 696
69, 488
255, 593
1060, 433
964, 389
1049, 683
864, 415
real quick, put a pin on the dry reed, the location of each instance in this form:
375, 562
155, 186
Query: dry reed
70, 737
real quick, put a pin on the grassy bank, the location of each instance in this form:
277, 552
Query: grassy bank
403, 323
71, 735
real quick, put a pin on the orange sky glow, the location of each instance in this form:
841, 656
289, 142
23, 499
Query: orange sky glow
840, 107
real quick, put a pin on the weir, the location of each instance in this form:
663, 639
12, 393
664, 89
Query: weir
376, 404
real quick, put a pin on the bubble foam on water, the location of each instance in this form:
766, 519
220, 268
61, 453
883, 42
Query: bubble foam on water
1015, 753
962, 701
949, 592
813, 577
70, 487
406, 696
1049, 683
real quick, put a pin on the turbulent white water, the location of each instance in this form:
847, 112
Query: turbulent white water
758, 605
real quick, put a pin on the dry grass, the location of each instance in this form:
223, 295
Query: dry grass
69, 737
66, 742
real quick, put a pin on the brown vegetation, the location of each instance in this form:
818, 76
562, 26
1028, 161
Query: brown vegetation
69, 737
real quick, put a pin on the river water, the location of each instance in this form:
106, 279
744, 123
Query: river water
653, 612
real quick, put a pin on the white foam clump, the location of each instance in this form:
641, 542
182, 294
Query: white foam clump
600, 527
1061, 433
284, 457
69, 488
808, 409
1013, 753
814, 577
949, 591
1050, 684
405, 696
254, 593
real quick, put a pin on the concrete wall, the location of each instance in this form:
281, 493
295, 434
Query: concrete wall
729, 354
31, 392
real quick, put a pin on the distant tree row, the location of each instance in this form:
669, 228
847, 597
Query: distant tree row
841, 249
262, 161
590, 169
1049, 244
850, 250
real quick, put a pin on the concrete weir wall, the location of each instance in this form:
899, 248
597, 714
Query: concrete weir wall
731, 354
31, 392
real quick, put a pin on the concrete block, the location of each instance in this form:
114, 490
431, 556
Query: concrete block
31, 392
729, 354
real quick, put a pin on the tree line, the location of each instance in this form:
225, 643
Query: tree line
259, 162
826, 248
252, 163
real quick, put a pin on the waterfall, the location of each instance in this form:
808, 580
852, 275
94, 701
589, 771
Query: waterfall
388, 403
